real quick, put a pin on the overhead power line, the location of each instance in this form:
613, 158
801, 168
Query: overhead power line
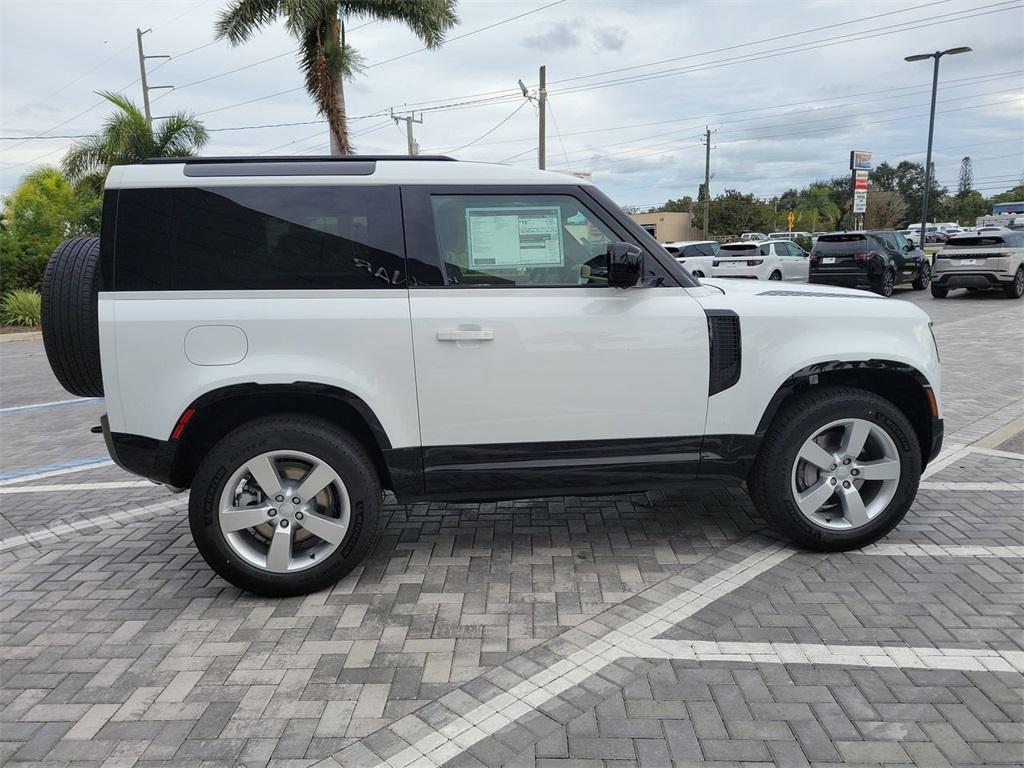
492, 130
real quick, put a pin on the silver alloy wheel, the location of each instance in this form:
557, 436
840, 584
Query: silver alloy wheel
284, 511
845, 474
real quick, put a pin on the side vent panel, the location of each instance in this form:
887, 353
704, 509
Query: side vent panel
726, 349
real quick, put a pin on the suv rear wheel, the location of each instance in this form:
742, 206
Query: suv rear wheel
285, 505
1016, 289
888, 283
924, 277
939, 292
838, 469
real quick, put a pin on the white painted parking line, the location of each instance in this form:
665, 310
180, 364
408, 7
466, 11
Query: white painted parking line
71, 487
942, 550
1000, 454
629, 640
948, 455
105, 520
56, 472
37, 406
903, 657
958, 486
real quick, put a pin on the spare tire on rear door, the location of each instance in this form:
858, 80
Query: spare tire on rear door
70, 314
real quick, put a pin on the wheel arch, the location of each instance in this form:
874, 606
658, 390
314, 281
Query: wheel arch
900, 383
216, 413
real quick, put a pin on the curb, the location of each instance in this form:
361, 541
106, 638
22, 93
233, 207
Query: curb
26, 336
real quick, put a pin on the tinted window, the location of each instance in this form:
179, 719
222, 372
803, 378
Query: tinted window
698, 249
841, 244
515, 240
238, 238
764, 250
995, 241
737, 249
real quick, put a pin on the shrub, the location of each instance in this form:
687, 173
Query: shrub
21, 308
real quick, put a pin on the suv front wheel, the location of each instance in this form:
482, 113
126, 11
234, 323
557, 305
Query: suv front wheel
838, 469
285, 505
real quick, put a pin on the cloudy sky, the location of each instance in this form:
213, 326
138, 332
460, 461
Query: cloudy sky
788, 88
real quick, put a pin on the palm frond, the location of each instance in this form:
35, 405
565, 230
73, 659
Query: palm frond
85, 157
179, 135
428, 19
239, 22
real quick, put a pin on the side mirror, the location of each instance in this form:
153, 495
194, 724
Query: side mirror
625, 265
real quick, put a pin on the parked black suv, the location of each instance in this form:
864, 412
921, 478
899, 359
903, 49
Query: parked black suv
879, 259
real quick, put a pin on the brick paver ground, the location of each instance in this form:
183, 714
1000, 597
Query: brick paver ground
622, 630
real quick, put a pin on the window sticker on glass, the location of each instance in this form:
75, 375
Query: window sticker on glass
515, 237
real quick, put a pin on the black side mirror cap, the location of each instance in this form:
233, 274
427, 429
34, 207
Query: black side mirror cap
625, 265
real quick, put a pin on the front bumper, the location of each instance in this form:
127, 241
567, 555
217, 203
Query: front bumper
152, 459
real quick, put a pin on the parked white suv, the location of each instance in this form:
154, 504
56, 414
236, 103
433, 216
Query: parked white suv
980, 260
696, 255
289, 337
765, 260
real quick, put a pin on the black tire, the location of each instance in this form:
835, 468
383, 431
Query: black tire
1015, 289
697, 273
776, 275
923, 278
888, 284
938, 292
770, 480
70, 315
287, 432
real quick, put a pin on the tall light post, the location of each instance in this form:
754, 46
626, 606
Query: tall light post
931, 130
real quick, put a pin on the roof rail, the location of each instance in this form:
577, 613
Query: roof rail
210, 160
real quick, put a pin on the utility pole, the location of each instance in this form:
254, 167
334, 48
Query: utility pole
707, 178
542, 103
412, 148
146, 87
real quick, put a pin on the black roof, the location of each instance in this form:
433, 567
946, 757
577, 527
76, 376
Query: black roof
211, 160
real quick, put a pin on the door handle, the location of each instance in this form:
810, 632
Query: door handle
482, 334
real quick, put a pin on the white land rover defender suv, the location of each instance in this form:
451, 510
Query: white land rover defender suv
290, 337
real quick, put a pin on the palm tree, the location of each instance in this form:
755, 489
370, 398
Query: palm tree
816, 204
326, 59
127, 138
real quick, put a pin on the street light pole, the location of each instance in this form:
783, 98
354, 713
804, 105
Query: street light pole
923, 238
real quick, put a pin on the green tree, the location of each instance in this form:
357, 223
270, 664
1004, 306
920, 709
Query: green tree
883, 178
814, 205
43, 209
1013, 195
965, 182
325, 57
682, 205
733, 213
127, 138
969, 205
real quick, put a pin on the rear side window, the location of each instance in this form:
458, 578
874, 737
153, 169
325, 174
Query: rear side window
700, 249
249, 238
